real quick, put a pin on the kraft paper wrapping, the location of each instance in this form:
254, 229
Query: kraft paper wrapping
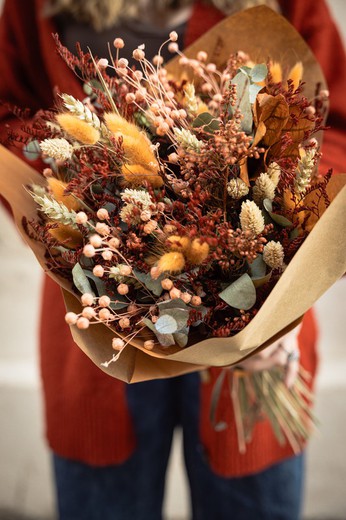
262, 34
316, 266
319, 262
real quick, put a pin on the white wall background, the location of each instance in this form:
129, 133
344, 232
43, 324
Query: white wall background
25, 482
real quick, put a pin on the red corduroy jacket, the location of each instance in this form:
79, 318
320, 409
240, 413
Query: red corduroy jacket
86, 414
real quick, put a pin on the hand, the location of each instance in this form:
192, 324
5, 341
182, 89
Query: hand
282, 353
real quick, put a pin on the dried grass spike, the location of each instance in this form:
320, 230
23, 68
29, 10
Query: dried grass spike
58, 189
251, 218
296, 74
78, 129
173, 262
198, 252
136, 175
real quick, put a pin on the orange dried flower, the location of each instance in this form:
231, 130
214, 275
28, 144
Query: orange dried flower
171, 262
58, 189
80, 130
197, 252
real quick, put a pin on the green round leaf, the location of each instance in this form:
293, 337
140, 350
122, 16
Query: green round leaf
258, 73
80, 280
258, 267
241, 294
278, 219
32, 150
206, 120
166, 325
181, 316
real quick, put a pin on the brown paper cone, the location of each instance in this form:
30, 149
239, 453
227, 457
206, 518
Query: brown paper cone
262, 34
319, 262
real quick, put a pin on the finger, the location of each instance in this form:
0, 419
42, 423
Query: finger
268, 351
258, 363
291, 373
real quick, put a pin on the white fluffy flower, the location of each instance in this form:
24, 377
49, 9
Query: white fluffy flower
273, 254
274, 172
59, 149
237, 188
251, 218
264, 188
187, 139
305, 170
140, 198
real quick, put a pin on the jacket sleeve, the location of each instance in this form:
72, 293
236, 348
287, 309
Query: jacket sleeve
313, 20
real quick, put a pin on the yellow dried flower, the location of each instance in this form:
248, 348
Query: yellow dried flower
202, 107
58, 189
197, 252
273, 254
141, 163
251, 218
80, 130
296, 74
171, 262
135, 174
177, 243
237, 188
264, 188
138, 151
120, 126
67, 235
276, 72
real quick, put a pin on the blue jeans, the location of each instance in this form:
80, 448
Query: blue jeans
134, 490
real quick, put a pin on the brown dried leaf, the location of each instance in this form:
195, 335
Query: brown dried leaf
297, 126
260, 133
273, 111
244, 175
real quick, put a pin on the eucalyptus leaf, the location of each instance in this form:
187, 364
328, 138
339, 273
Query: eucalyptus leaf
278, 219
258, 267
241, 294
258, 282
242, 83
99, 284
282, 221
294, 233
181, 316
166, 324
80, 280
109, 206
268, 205
32, 150
148, 323
165, 340
87, 89
207, 121
246, 70
97, 188
150, 283
258, 72
181, 339
94, 83
253, 91
116, 306
177, 303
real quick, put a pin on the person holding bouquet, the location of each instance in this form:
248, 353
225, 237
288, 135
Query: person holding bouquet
110, 442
